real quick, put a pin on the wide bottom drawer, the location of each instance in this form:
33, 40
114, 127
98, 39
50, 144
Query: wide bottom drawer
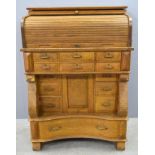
81, 127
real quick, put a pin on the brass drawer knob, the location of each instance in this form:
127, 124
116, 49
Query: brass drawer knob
76, 55
76, 12
107, 89
106, 104
56, 128
77, 45
108, 55
45, 67
77, 66
101, 127
109, 66
44, 56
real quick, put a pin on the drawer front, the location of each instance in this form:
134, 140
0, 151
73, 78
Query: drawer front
102, 67
50, 104
77, 57
106, 88
105, 104
84, 67
53, 89
45, 57
108, 56
77, 127
45, 67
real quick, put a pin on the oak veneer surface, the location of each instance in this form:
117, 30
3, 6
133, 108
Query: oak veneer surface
77, 63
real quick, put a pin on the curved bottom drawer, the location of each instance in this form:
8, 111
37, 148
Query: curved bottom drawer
81, 127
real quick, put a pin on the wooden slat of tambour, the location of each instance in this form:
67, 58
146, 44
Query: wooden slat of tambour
75, 39
67, 33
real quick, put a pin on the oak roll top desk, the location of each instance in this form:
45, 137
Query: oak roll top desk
77, 63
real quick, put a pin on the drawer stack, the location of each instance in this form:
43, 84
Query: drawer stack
77, 64
105, 96
46, 62
50, 94
108, 61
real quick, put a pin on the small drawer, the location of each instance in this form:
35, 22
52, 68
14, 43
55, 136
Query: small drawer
45, 67
106, 88
50, 104
104, 104
45, 57
83, 67
102, 67
108, 56
77, 57
53, 89
78, 127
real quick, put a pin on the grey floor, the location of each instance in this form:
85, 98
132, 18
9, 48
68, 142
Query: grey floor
76, 146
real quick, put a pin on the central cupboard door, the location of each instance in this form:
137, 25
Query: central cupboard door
79, 93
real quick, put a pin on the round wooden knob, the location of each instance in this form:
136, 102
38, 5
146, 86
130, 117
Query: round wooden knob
76, 12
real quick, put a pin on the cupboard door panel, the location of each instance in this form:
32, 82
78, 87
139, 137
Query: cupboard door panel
77, 92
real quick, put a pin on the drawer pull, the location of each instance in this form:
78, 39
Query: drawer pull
106, 104
76, 56
108, 55
54, 128
77, 66
108, 66
76, 12
77, 45
48, 89
46, 67
101, 127
107, 89
51, 106
44, 56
